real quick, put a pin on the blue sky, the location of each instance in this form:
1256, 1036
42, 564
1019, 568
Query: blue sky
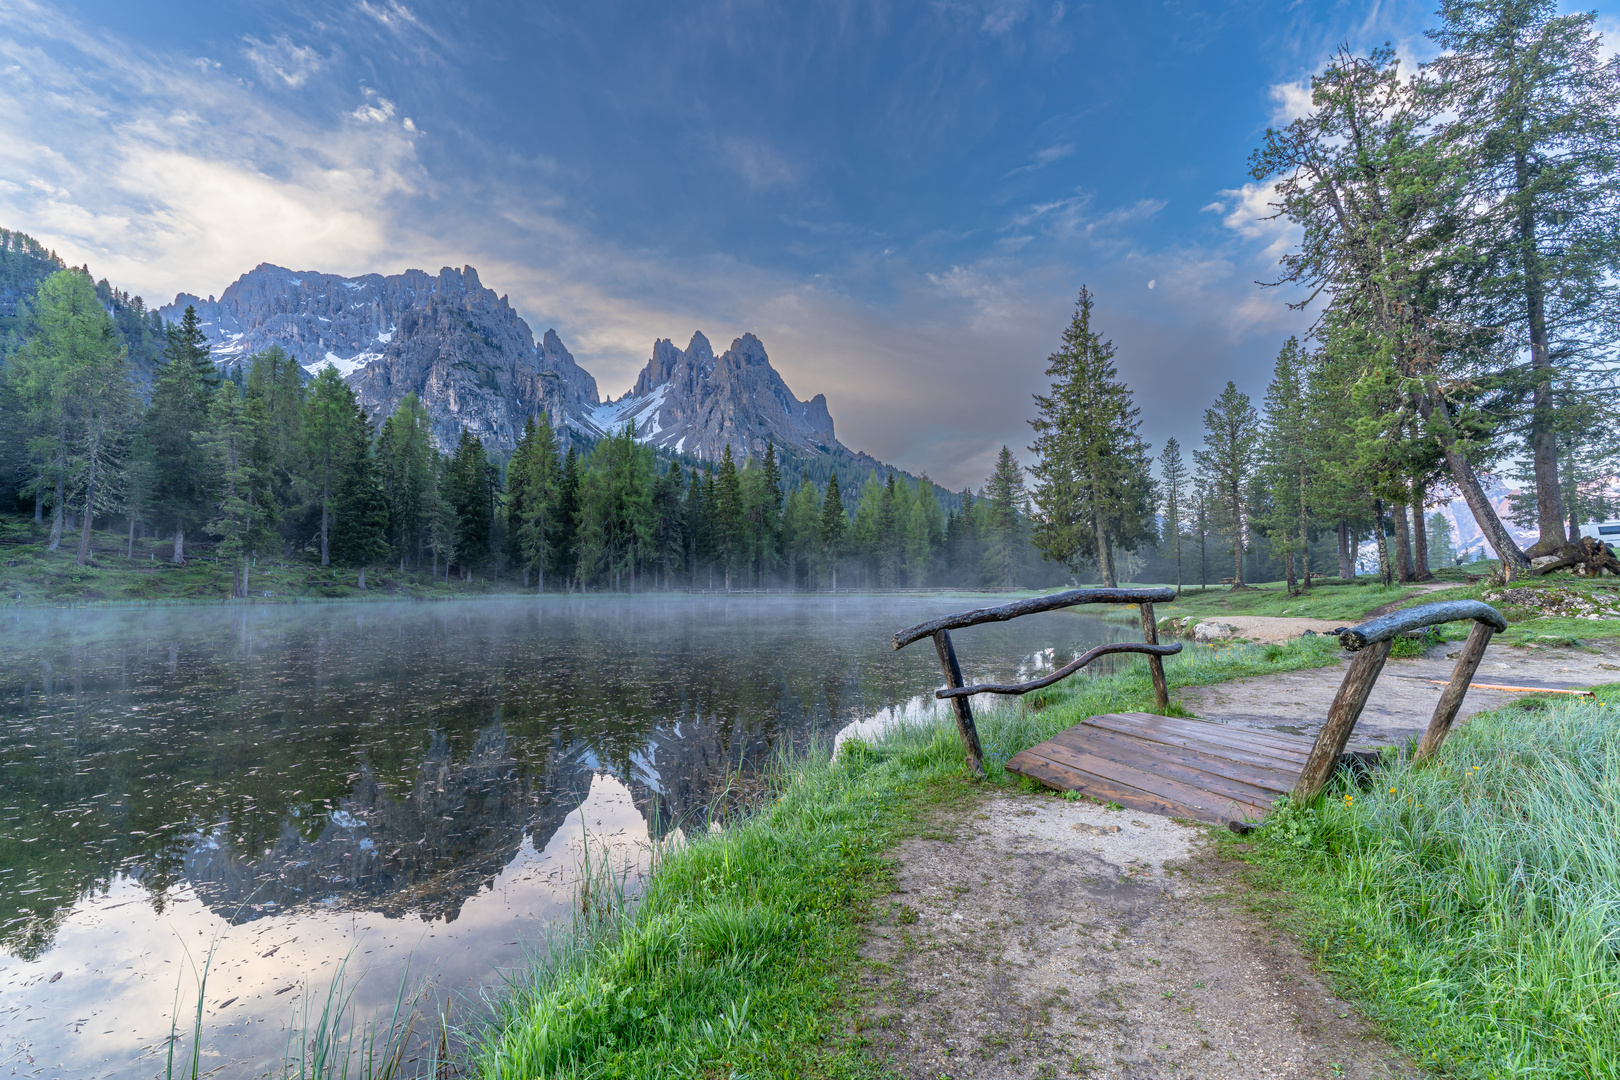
901, 199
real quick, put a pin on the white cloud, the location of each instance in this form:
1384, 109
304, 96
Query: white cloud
1247, 211
375, 109
281, 59
1290, 101
166, 175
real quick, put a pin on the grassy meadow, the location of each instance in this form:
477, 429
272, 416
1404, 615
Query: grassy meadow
1472, 906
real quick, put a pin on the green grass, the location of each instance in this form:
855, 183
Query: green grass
1473, 905
1327, 598
31, 576
741, 956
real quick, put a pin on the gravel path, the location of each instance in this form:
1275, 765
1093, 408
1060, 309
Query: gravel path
1031, 936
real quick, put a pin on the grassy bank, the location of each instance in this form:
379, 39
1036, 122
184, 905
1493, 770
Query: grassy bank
32, 576
1473, 906
740, 958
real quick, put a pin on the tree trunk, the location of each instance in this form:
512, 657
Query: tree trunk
362, 579
84, 530
1237, 545
247, 564
1347, 569
326, 522
179, 556
1178, 560
1420, 536
39, 507
131, 552
1514, 562
1105, 562
1384, 575
1293, 582
56, 520
1403, 544
1543, 437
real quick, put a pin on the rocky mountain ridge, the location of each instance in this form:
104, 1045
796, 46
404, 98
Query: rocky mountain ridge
693, 402
474, 362
447, 338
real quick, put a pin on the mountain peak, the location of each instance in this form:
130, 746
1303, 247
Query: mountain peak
693, 402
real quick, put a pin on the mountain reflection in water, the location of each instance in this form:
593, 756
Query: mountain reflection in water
264, 771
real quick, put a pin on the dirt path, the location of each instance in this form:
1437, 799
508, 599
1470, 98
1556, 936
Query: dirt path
1404, 697
1034, 937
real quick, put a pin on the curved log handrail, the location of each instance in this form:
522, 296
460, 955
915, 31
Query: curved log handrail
1049, 602
1386, 627
1061, 673
1371, 642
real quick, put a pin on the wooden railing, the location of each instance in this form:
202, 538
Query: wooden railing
1371, 642
958, 694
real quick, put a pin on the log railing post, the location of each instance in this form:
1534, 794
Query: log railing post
1445, 710
1150, 634
1341, 720
964, 711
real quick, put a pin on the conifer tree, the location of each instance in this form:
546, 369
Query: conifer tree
274, 400
1231, 444
1005, 497
360, 525
834, 523
328, 436
182, 390
1095, 491
566, 519
534, 487
1173, 483
1286, 463
405, 464
467, 489
237, 499
728, 517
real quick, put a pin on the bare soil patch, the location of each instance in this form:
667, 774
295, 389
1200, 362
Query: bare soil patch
1031, 936
1404, 697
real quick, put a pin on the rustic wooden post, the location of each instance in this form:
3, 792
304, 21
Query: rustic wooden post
964, 711
1445, 710
1341, 719
1150, 633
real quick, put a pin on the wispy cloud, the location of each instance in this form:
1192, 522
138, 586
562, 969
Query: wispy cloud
1044, 157
164, 173
279, 60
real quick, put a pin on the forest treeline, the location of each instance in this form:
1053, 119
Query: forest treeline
264, 462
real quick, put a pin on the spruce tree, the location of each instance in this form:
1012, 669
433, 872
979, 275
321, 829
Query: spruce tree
328, 433
182, 390
405, 463
1173, 483
360, 520
1095, 491
1005, 497
534, 487
237, 496
834, 523
728, 523
1286, 464
1231, 442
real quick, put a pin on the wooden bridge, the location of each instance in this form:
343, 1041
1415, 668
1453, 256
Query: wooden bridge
1199, 769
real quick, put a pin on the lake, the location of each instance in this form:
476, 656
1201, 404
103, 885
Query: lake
399, 791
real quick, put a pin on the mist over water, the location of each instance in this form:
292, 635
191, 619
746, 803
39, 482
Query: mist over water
408, 786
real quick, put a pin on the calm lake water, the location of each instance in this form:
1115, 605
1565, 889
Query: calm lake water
404, 789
